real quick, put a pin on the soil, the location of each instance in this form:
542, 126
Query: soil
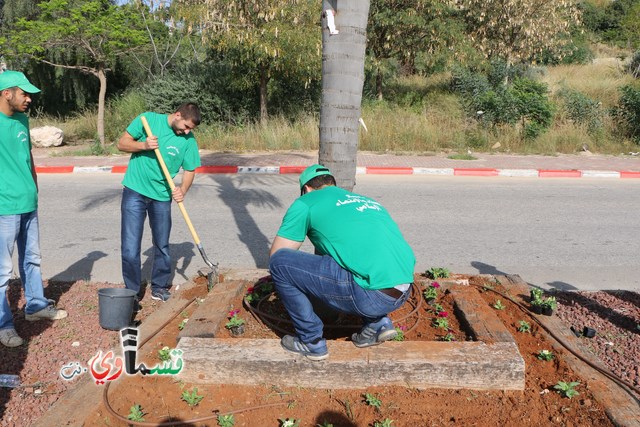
51, 345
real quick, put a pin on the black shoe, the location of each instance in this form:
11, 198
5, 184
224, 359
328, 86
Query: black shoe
160, 295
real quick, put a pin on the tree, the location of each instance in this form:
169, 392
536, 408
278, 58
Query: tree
84, 35
271, 37
342, 81
517, 30
400, 29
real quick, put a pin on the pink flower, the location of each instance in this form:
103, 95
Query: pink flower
233, 312
435, 284
443, 314
250, 290
403, 327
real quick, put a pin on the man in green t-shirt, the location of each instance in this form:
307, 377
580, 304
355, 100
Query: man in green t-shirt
147, 192
19, 208
362, 265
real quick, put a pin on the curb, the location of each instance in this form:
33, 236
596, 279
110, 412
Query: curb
370, 170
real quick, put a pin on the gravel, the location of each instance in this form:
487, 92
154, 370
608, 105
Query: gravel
615, 316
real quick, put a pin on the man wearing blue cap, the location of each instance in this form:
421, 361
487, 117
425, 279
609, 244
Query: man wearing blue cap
362, 265
19, 208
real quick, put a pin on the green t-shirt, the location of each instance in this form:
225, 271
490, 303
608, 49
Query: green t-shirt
19, 193
144, 173
354, 230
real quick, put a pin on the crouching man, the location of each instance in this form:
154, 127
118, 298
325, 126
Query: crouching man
362, 264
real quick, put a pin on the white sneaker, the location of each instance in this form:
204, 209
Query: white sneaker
48, 313
10, 338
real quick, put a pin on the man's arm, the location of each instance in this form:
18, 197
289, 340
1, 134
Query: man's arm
282, 243
129, 145
180, 191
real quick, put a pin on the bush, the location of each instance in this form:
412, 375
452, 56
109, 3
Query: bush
492, 102
582, 110
627, 112
634, 66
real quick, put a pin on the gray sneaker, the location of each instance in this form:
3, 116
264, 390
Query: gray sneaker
10, 338
48, 313
317, 351
375, 333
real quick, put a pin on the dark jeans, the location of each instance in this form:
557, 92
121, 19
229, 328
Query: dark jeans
134, 210
301, 277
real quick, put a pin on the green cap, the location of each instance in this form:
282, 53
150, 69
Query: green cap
311, 172
9, 79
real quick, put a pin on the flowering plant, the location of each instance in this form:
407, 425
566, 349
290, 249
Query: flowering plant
262, 288
234, 319
432, 291
441, 322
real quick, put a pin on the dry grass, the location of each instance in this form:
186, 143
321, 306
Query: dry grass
599, 81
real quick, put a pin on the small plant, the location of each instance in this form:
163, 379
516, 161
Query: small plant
400, 333
234, 319
437, 272
545, 355
324, 424
372, 400
164, 354
524, 326
432, 291
262, 288
437, 308
550, 303
498, 305
135, 413
567, 389
286, 422
536, 295
192, 398
449, 337
182, 324
385, 423
441, 322
226, 420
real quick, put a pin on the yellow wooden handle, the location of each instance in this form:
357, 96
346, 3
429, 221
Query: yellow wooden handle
172, 185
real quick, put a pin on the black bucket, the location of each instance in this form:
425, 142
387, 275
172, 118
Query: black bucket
116, 307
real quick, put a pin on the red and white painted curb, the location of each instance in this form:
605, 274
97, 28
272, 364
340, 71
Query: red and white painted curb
371, 170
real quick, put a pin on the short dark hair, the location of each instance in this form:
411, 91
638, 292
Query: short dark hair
190, 111
321, 180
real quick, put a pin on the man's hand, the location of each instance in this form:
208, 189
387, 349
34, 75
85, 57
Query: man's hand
151, 143
177, 194
129, 145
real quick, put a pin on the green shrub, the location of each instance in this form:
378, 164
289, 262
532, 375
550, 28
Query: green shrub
582, 110
504, 97
627, 112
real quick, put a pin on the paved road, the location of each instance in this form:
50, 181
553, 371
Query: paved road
564, 233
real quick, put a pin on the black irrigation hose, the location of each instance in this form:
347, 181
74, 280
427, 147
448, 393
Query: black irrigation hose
272, 322
105, 397
626, 386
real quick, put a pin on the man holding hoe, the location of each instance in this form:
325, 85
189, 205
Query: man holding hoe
146, 191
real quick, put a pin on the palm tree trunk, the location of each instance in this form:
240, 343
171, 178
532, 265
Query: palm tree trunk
102, 76
342, 81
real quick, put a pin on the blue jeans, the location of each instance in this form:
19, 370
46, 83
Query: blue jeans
23, 229
134, 210
301, 277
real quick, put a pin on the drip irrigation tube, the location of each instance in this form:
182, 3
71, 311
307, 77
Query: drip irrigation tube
625, 385
105, 394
